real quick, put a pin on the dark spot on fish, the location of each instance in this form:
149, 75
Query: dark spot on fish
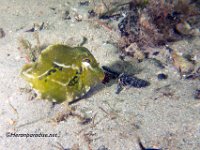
58, 67
78, 72
73, 81
61, 68
50, 72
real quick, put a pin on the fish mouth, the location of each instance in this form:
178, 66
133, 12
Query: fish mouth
97, 71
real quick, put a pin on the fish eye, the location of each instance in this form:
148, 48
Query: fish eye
86, 60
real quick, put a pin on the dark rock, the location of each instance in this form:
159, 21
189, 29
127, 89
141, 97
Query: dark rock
197, 94
2, 33
162, 76
102, 148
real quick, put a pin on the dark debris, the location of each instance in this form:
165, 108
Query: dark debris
127, 80
86, 121
66, 15
36, 27
2, 33
162, 76
197, 94
194, 75
123, 79
114, 74
91, 13
143, 148
84, 3
157, 63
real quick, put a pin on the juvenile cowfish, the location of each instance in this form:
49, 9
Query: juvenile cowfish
63, 73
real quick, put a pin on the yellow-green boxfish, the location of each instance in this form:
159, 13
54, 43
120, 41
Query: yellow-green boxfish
63, 73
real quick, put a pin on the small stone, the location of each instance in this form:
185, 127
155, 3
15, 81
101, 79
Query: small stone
162, 76
66, 15
84, 3
91, 13
102, 147
197, 94
155, 53
11, 121
78, 17
2, 33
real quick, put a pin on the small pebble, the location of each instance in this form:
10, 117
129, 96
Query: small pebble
162, 76
84, 3
155, 53
66, 15
52, 8
86, 121
78, 17
2, 33
102, 147
91, 13
197, 94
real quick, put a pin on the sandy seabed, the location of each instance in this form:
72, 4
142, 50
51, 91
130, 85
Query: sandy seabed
164, 115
